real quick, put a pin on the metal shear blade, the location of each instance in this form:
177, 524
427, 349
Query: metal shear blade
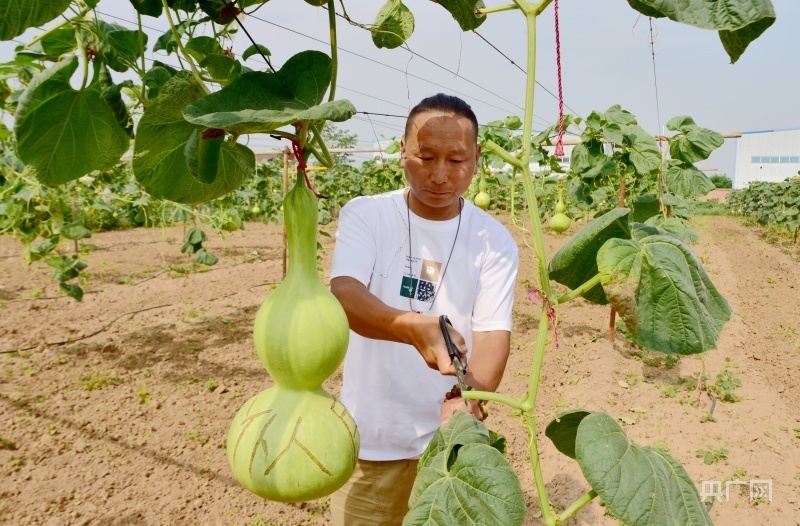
458, 365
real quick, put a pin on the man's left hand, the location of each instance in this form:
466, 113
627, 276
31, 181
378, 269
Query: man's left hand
457, 404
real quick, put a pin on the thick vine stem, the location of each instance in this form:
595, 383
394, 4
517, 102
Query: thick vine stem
492, 397
503, 154
531, 12
547, 512
49, 30
580, 291
82, 47
542, 6
175, 34
575, 506
334, 48
498, 9
326, 160
142, 50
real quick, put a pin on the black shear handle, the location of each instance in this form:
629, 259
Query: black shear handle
451, 349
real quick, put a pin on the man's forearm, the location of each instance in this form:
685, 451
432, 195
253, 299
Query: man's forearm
490, 351
369, 316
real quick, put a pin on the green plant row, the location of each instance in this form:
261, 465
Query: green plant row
770, 204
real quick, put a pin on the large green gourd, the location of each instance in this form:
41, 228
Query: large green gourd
294, 441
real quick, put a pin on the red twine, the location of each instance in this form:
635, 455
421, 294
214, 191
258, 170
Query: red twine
536, 296
560, 139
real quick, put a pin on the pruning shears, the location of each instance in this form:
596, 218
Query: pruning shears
460, 367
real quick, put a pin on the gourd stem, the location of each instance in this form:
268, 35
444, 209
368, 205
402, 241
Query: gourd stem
492, 397
66, 21
334, 48
575, 506
580, 291
177, 37
326, 159
547, 513
531, 13
500, 152
85, 56
141, 50
538, 359
497, 9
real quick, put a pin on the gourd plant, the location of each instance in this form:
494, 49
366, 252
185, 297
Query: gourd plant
617, 162
613, 259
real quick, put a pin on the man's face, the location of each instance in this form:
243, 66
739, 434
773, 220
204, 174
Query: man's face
439, 155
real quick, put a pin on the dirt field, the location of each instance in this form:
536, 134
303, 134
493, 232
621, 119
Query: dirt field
127, 427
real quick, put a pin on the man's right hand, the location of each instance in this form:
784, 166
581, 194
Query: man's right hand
371, 318
427, 338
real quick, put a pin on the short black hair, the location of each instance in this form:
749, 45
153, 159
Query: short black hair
445, 104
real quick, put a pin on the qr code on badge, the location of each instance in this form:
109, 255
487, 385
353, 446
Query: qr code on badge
426, 291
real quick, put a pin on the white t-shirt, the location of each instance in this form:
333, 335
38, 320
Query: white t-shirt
390, 391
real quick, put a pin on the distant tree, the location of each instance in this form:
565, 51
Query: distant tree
721, 181
338, 138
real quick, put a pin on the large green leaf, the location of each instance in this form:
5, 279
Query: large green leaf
684, 180
662, 293
56, 43
643, 149
642, 486
458, 430
674, 225
18, 15
462, 479
589, 160
576, 262
148, 7
694, 143
201, 46
563, 429
393, 25
644, 207
616, 115
262, 102
222, 68
739, 22
159, 163
119, 45
464, 12
63, 133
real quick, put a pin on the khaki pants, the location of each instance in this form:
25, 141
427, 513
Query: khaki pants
376, 495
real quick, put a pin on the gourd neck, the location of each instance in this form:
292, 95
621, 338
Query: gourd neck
300, 215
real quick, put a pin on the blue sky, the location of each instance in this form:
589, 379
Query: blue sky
606, 60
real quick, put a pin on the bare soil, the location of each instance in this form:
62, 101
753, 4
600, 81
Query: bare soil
127, 427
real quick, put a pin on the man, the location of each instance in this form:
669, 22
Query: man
401, 260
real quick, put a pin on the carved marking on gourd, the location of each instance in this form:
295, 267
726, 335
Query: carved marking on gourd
245, 424
340, 416
260, 442
294, 440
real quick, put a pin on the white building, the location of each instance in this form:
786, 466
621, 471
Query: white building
770, 155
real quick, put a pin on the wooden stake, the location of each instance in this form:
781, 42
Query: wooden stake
74, 220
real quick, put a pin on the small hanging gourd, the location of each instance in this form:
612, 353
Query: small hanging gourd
295, 442
482, 199
560, 221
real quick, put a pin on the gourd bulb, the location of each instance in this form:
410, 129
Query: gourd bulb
482, 200
291, 446
559, 222
560, 206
